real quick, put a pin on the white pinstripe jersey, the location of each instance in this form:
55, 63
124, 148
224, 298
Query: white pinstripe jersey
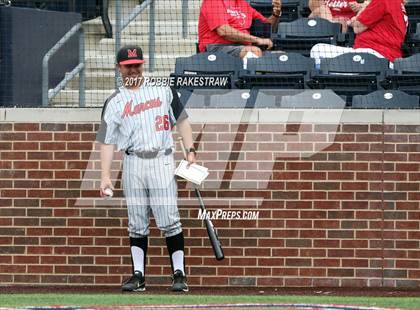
141, 119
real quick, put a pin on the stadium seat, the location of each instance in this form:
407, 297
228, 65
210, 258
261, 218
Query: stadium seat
232, 99
290, 9
405, 75
208, 64
301, 35
386, 99
197, 98
313, 99
277, 70
350, 74
260, 29
305, 11
412, 42
265, 7
413, 13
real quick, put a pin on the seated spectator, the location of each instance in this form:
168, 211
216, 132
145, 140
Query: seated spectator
380, 29
224, 26
336, 11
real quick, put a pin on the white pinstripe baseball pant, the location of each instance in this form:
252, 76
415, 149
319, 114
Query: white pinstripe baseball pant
149, 186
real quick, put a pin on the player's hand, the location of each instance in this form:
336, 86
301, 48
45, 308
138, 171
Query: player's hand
276, 7
266, 42
191, 158
105, 183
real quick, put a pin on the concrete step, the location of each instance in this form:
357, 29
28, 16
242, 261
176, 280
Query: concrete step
167, 4
161, 15
161, 6
92, 42
70, 98
105, 80
175, 4
165, 45
167, 27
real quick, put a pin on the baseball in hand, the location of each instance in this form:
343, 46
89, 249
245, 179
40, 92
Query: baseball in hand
108, 192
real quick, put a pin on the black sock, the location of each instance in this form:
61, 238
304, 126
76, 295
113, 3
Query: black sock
142, 244
174, 244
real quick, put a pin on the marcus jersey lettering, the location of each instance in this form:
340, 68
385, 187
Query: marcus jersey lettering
140, 120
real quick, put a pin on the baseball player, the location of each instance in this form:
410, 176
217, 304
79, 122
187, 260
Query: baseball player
138, 119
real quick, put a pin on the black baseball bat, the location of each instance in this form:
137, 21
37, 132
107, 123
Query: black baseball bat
211, 230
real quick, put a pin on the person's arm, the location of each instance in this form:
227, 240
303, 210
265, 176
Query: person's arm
179, 121
107, 138
368, 16
231, 34
273, 20
358, 7
275, 15
358, 27
315, 4
355, 7
184, 129
320, 9
107, 154
216, 18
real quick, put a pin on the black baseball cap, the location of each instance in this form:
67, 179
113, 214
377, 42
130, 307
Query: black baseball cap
130, 55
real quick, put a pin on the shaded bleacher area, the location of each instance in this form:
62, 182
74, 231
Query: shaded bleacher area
353, 80
284, 71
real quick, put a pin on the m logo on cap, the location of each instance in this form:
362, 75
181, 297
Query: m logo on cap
132, 53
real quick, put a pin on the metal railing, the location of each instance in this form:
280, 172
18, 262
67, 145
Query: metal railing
47, 95
105, 19
184, 19
120, 24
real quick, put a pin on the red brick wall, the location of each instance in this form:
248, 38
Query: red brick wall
346, 216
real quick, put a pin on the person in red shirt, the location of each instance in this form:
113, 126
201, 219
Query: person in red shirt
336, 11
224, 25
380, 29
382, 26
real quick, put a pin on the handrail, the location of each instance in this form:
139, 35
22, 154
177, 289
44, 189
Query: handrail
120, 25
105, 18
184, 19
137, 10
80, 68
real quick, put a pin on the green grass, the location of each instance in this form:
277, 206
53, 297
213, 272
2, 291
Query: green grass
22, 300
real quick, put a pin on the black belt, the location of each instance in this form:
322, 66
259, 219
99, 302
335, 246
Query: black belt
148, 154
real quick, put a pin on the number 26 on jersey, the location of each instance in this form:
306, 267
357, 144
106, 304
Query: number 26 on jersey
162, 122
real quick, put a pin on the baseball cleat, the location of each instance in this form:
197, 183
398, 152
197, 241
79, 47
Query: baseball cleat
179, 282
134, 284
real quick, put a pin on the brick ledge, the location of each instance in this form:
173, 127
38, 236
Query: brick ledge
83, 115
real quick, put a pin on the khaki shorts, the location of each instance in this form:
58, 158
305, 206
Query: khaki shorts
234, 50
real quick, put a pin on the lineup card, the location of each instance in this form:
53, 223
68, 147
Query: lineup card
194, 173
